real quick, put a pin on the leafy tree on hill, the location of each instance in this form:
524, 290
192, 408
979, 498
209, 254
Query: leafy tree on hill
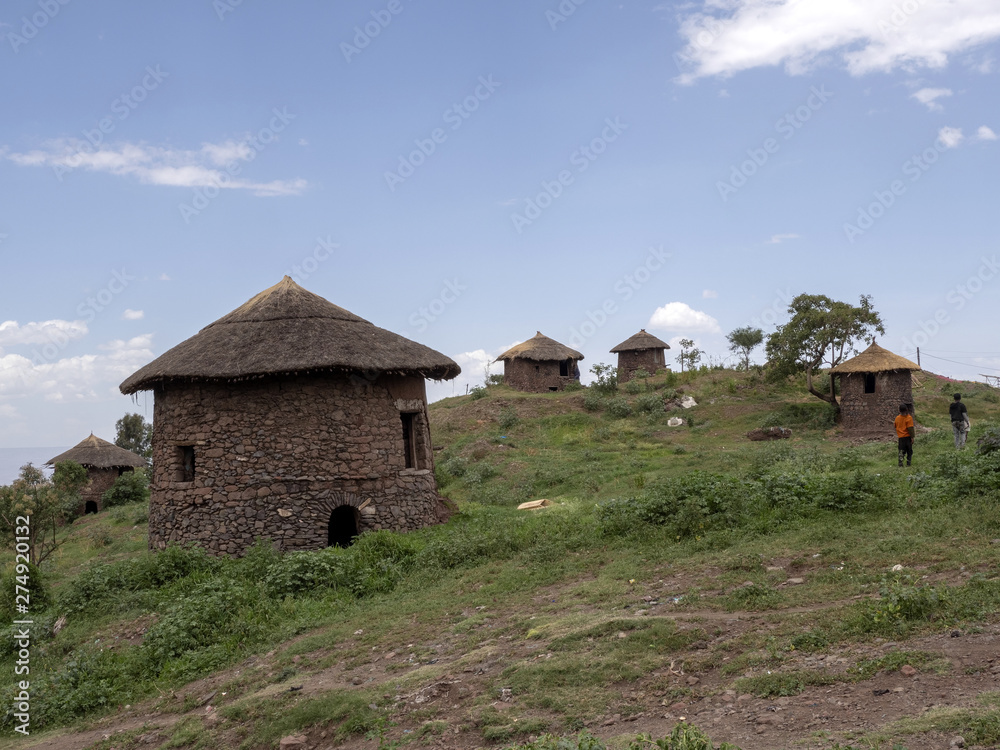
742, 341
689, 355
134, 433
821, 331
43, 503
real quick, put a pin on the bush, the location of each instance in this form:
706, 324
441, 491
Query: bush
633, 388
989, 442
573, 385
619, 407
607, 379
477, 392
130, 487
31, 578
508, 418
649, 403
592, 400
902, 602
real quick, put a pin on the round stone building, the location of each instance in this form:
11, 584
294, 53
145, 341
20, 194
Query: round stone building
873, 385
104, 462
294, 420
539, 365
642, 351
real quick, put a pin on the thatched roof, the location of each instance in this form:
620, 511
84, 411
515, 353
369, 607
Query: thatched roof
640, 342
94, 453
540, 348
286, 330
874, 359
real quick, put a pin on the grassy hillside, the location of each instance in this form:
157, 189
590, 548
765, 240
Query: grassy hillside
680, 572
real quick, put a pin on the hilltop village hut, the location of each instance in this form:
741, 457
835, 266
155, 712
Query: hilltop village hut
643, 351
872, 386
540, 364
104, 462
294, 420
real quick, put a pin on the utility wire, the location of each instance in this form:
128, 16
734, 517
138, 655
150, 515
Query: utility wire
963, 364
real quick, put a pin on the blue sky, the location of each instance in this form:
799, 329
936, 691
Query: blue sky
465, 174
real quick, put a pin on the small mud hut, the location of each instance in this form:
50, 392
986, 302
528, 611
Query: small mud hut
294, 420
540, 364
643, 351
104, 462
872, 386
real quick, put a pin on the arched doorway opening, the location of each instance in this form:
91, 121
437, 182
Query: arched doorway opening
90, 507
343, 526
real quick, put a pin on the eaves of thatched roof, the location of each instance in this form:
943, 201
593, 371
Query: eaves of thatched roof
283, 331
540, 348
94, 453
640, 342
874, 359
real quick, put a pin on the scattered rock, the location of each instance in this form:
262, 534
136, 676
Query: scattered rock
795, 581
675, 422
692, 680
907, 670
896, 568
880, 691
957, 742
956, 633
292, 742
769, 433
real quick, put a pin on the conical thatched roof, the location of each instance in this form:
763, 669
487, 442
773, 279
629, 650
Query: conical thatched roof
95, 453
540, 348
874, 359
286, 330
640, 342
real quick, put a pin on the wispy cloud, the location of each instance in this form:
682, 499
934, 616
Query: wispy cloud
678, 316
951, 137
133, 315
709, 294
155, 165
929, 97
13, 334
725, 37
777, 239
985, 134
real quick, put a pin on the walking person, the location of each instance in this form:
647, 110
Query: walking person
905, 432
959, 421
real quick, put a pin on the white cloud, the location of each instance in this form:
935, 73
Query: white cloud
777, 239
303, 142
474, 366
985, 134
133, 315
677, 316
725, 37
164, 277
950, 137
152, 165
709, 294
929, 97
49, 331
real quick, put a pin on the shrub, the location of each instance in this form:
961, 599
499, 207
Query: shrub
649, 403
592, 400
633, 388
477, 392
30, 577
573, 385
607, 379
901, 603
619, 407
989, 442
508, 418
130, 487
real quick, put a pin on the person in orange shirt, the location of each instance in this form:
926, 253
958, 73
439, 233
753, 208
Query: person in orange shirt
905, 432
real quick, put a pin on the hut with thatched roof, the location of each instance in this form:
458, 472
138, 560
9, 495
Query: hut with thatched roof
872, 387
104, 462
540, 364
643, 351
294, 420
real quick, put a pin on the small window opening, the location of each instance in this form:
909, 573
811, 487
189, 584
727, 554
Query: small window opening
409, 452
90, 507
184, 470
553, 388
869, 382
343, 526
536, 368
564, 368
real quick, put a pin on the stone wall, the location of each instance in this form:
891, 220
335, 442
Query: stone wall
874, 412
274, 458
537, 377
649, 360
100, 482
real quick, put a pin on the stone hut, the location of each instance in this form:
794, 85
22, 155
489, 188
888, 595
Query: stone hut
643, 351
872, 386
540, 364
294, 420
104, 462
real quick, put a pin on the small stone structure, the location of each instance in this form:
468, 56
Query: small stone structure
540, 364
643, 351
294, 420
104, 462
872, 386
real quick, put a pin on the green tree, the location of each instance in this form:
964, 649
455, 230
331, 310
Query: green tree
130, 487
742, 341
607, 379
33, 497
134, 433
821, 331
689, 355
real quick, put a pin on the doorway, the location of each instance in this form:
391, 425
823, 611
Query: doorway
90, 507
343, 526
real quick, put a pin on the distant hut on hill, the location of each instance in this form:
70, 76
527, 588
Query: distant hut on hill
540, 364
643, 351
291, 419
104, 462
872, 386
